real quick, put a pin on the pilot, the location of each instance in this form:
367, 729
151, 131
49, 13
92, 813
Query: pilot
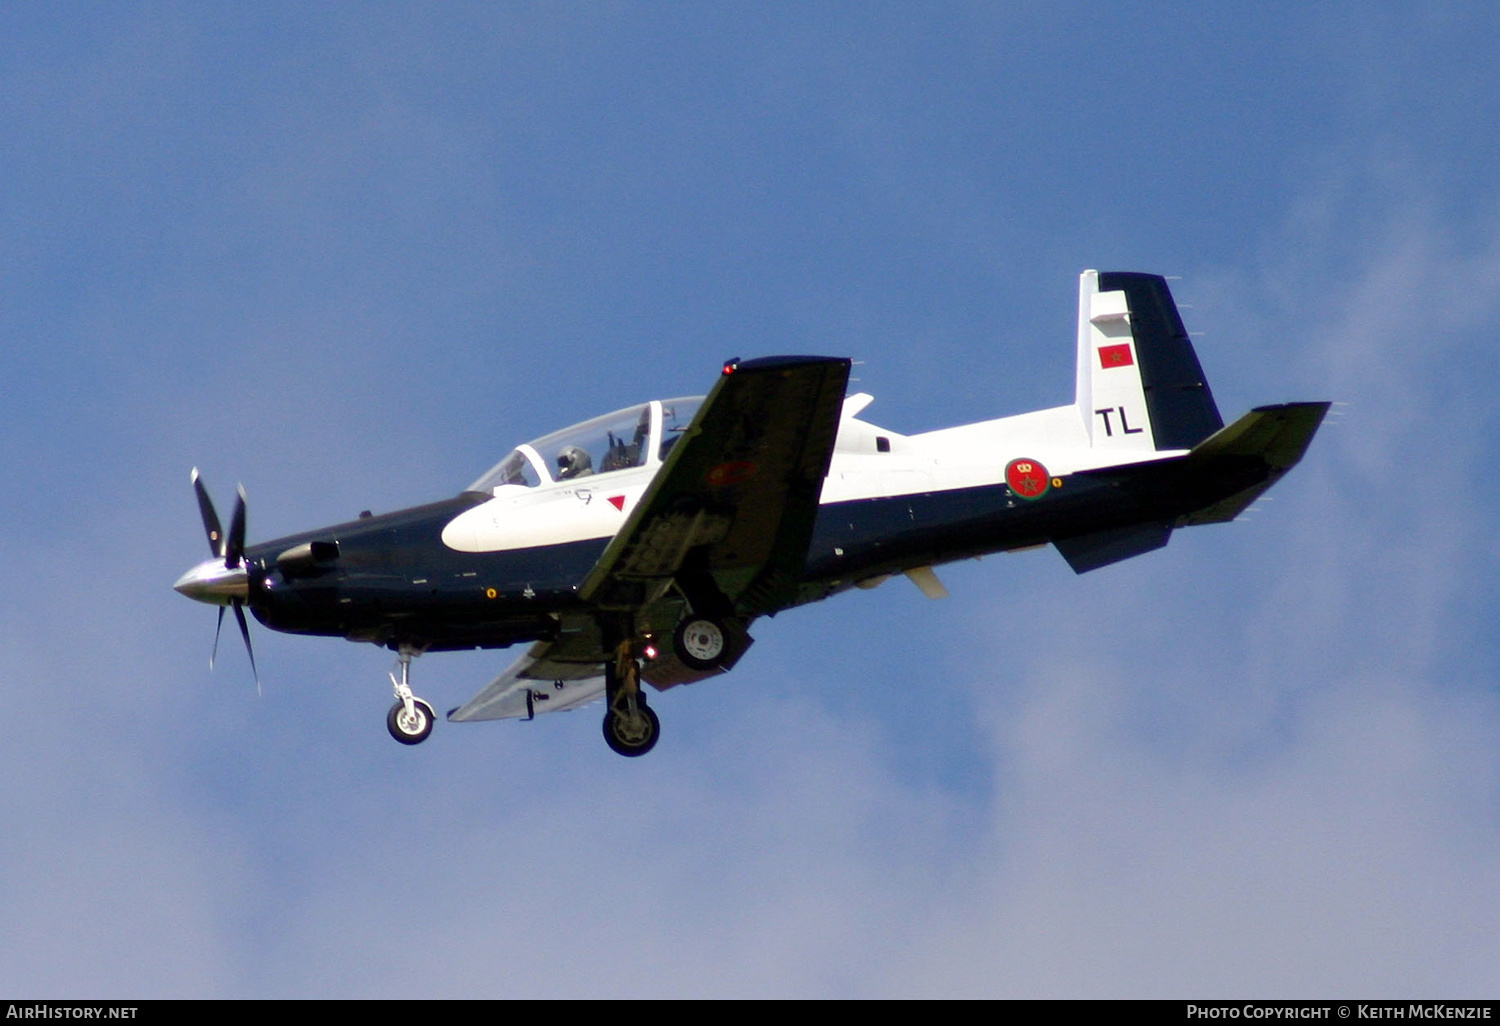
573, 461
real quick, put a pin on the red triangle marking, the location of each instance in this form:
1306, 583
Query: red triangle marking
618, 502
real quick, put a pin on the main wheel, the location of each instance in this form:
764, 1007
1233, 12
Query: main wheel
413, 729
632, 736
699, 642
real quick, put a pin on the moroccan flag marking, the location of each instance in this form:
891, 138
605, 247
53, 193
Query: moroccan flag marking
1115, 356
1027, 478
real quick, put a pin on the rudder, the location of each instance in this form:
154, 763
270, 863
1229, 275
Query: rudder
1140, 386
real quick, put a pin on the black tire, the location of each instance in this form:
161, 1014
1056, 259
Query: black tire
395, 722
700, 643
626, 743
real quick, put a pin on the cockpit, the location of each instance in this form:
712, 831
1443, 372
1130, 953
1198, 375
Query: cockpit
640, 436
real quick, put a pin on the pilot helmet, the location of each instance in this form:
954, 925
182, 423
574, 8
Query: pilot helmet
573, 460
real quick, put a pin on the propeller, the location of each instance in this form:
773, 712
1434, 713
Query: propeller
223, 579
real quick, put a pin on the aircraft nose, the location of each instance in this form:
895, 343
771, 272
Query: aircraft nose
212, 582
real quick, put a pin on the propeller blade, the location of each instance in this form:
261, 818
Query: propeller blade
215, 653
231, 548
234, 545
210, 517
239, 614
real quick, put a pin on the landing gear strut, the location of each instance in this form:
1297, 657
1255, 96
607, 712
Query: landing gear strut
410, 719
630, 727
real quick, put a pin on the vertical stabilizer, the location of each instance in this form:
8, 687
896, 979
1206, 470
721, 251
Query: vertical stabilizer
1140, 386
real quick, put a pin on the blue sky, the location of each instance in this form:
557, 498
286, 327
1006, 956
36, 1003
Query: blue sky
349, 256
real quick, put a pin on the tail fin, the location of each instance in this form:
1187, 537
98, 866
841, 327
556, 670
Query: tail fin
1140, 386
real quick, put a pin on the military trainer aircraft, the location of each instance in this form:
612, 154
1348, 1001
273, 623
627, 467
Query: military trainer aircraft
641, 545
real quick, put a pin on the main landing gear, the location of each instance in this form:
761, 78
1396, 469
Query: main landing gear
700, 643
630, 727
411, 718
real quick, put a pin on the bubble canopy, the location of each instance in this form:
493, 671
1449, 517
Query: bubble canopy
637, 436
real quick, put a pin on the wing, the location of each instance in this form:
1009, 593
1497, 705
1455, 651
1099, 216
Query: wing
535, 683
724, 525
729, 517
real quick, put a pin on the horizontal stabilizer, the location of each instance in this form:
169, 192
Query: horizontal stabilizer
1091, 551
1276, 436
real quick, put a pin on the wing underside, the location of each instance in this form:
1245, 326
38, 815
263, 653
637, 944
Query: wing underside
534, 683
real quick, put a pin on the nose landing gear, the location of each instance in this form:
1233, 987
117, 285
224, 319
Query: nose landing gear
411, 718
410, 728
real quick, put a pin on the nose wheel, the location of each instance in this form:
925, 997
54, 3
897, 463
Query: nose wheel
411, 718
410, 728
